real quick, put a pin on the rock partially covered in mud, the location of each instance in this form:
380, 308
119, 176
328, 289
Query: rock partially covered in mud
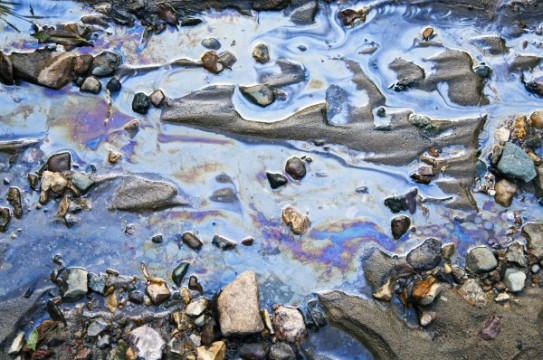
288, 324
211, 43
261, 95
223, 243
73, 284
516, 164
146, 343
238, 307
139, 194
426, 256
211, 62
481, 259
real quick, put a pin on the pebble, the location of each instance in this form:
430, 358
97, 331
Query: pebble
17, 344
385, 292
248, 242
254, 351
295, 167
59, 162
426, 256
480, 259
105, 64
136, 297
114, 85
514, 280
156, 98
472, 292
217, 351
97, 282
157, 239
447, 251
281, 351
299, 224
491, 329
73, 284
227, 59
533, 232
261, 95
197, 307
211, 43
288, 324
225, 195
427, 317
5, 218
238, 307
91, 85
408, 201
276, 180
82, 64
191, 241
261, 53
81, 181
195, 285
158, 292
515, 163
211, 62
400, 225
96, 328
14, 199
502, 297
141, 103
505, 191
146, 343
223, 243
515, 254
179, 272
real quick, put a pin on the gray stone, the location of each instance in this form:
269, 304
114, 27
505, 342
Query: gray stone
238, 306
97, 283
105, 64
261, 53
514, 280
17, 344
139, 194
103, 342
59, 162
223, 243
304, 14
533, 232
158, 292
73, 284
196, 307
225, 195
96, 328
91, 85
426, 256
147, 343
211, 43
81, 181
261, 95
227, 59
289, 324
281, 351
191, 241
254, 351
480, 259
515, 163
515, 254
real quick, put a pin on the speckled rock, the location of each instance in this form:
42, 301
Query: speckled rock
515, 163
73, 284
533, 232
426, 256
146, 343
289, 324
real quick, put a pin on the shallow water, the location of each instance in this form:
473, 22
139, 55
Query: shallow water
344, 222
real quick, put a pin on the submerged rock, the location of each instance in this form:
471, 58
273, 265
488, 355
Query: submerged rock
147, 343
404, 202
14, 199
139, 194
211, 62
261, 95
158, 292
223, 243
515, 163
254, 351
238, 307
288, 324
179, 272
59, 162
156, 98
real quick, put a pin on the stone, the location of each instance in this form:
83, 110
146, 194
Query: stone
261, 95
225, 195
533, 232
223, 243
350, 17
397, 203
132, 127
281, 351
91, 85
14, 199
158, 292
136, 297
157, 98
304, 14
295, 167
17, 344
514, 280
105, 64
59, 162
505, 191
103, 342
191, 241
276, 180
179, 272
58, 73
502, 297
146, 343
139, 194
261, 53
82, 64
211, 62
197, 307
81, 181
299, 224
515, 163
288, 323
472, 292
141, 103
385, 292
400, 225
238, 307
217, 351
96, 328
426, 256
447, 251
425, 291
211, 43
227, 59
254, 351
515, 254
5, 218
480, 260
491, 329
97, 282
6, 69
114, 85
73, 284
427, 317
